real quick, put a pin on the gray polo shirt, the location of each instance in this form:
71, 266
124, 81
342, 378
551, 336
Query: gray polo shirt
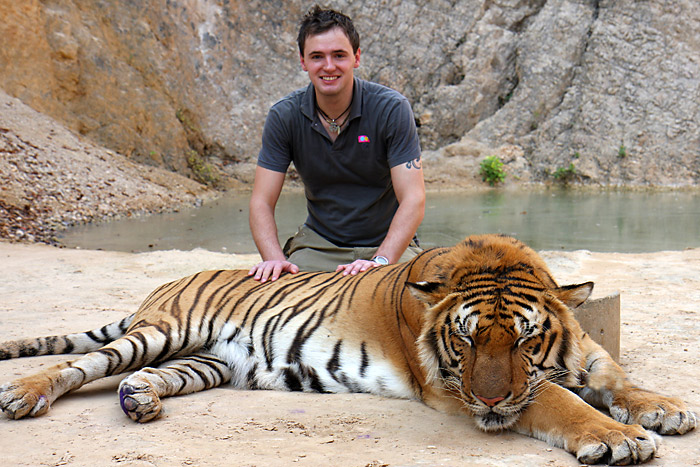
350, 198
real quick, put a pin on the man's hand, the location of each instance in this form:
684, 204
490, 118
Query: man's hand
359, 265
272, 270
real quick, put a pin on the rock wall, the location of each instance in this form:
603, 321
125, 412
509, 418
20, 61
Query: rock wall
608, 89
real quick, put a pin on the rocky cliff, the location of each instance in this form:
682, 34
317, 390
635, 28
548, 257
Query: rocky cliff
602, 91
51, 178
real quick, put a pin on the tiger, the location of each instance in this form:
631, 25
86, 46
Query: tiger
480, 329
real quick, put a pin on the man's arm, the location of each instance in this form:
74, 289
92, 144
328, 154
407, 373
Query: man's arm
266, 191
410, 192
409, 187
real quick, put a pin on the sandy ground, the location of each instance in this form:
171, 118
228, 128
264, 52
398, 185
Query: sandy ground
46, 290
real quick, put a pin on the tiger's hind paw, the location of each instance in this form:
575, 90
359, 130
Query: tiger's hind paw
665, 415
139, 401
17, 401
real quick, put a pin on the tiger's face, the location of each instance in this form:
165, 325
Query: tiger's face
492, 336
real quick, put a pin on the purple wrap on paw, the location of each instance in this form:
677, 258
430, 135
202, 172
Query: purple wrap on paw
125, 391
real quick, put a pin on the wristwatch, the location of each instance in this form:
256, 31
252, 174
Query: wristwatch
383, 260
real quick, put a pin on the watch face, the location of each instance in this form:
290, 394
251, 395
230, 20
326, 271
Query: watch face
381, 260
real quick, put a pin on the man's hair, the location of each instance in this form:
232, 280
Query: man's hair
319, 20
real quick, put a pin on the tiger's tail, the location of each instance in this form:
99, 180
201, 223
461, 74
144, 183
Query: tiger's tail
78, 343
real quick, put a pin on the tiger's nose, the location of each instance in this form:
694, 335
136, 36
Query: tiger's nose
489, 401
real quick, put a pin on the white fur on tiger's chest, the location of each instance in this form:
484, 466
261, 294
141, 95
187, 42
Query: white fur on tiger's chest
289, 360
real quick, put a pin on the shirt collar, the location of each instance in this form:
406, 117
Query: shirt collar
308, 103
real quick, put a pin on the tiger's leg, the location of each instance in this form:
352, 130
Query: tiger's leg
140, 393
33, 395
561, 418
607, 386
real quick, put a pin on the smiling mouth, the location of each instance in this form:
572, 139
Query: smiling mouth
328, 79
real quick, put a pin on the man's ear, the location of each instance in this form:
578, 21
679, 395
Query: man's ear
357, 58
303, 63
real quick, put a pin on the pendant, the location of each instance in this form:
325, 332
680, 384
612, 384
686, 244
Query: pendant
334, 127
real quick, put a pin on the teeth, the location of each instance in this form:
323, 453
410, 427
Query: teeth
329, 78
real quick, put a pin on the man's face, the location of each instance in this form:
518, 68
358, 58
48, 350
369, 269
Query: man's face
329, 60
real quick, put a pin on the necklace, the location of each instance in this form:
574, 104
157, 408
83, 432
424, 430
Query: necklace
333, 126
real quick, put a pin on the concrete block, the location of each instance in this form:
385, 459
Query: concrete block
600, 318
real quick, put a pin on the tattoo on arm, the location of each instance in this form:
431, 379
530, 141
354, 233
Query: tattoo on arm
414, 164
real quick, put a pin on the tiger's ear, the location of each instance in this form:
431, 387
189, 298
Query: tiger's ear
427, 292
574, 295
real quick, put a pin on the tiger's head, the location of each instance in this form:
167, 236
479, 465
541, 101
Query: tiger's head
496, 326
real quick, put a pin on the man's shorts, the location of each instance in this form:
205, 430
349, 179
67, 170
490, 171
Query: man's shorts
312, 252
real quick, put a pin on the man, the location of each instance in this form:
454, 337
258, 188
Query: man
356, 148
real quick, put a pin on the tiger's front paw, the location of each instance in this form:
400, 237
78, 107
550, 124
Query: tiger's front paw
18, 400
666, 415
623, 445
138, 399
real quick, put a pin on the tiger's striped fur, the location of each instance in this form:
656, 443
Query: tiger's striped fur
480, 328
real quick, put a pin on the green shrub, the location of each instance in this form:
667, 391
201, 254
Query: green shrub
491, 170
565, 173
203, 171
622, 151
